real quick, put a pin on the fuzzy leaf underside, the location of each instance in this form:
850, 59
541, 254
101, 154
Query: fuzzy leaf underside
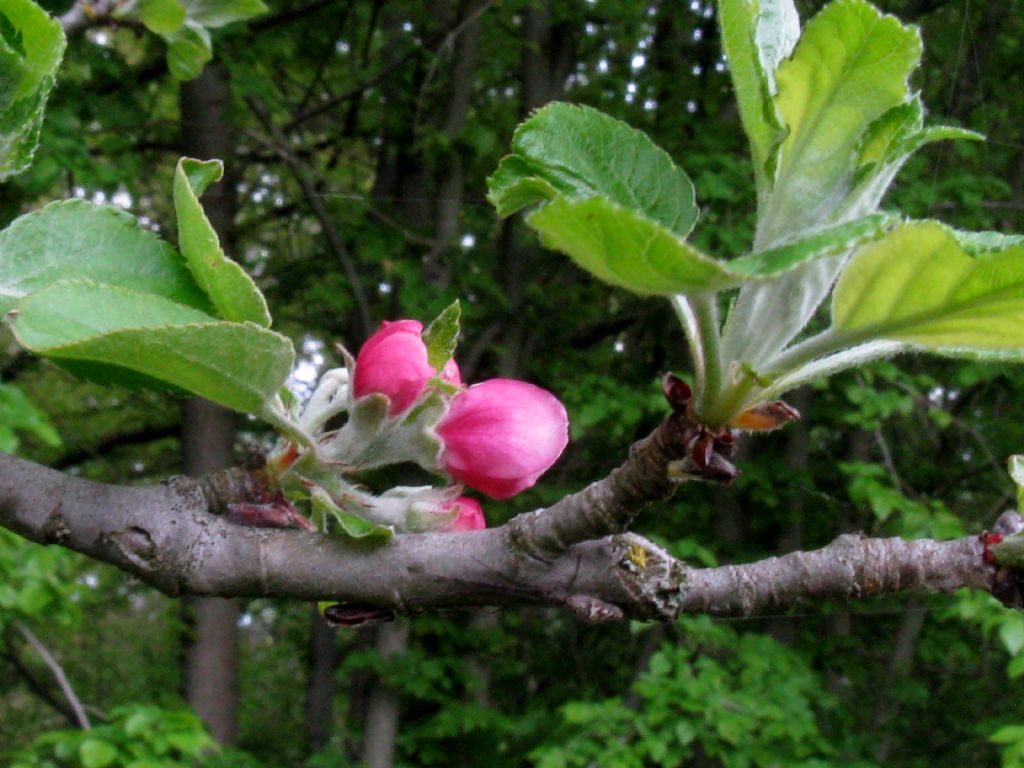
830, 241
921, 286
77, 239
757, 35
352, 526
230, 289
849, 68
577, 152
239, 365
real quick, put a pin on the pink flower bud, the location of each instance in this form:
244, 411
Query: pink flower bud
393, 362
470, 517
501, 435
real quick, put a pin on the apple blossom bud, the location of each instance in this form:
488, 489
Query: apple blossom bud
501, 435
393, 362
470, 515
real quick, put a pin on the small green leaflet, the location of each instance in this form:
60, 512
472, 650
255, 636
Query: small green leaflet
919, 285
220, 13
189, 48
31, 49
623, 248
231, 290
185, 26
214, 13
353, 526
163, 17
239, 365
77, 239
578, 152
442, 335
893, 137
757, 35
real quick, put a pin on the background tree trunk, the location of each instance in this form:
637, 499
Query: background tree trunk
382, 712
208, 430
323, 660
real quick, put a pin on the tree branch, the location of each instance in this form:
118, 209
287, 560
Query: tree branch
170, 536
279, 145
83, 15
36, 686
57, 671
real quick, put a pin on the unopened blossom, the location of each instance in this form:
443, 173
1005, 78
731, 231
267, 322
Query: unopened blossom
470, 515
393, 362
501, 435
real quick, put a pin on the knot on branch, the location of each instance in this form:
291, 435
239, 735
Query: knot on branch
654, 580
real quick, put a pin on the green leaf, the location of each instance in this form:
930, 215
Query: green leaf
231, 290
1015, 668
77, 239
161, 16
188, 50
353, 526
190, 743
31, 48
97, 754
579, 153
239, 365
919, 285
757, 35
513, 186
892, 138
623, 248
978, 243
1008, 734
1015, 466
850, 67
219, 13
17, 412
442, 335
1011, 632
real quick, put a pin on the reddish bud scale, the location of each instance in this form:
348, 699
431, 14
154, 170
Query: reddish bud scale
988, 540
677, 392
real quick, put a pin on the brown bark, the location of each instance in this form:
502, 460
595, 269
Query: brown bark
169, 536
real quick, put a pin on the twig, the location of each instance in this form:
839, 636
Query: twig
278, 143
83, 15
58, 674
